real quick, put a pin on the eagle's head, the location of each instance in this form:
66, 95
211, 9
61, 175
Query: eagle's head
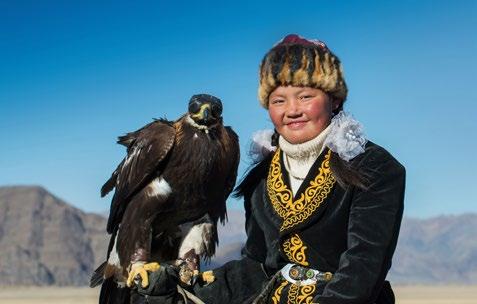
205, 111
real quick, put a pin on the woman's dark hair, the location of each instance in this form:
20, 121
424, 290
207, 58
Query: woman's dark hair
338, 109
346, 174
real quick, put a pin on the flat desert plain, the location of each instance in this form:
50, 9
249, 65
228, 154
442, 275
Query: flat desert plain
67, 295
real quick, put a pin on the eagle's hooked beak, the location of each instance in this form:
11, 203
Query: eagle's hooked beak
204, 115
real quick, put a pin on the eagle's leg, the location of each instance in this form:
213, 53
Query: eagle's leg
189, 265
189, 269
139, 270
198, 240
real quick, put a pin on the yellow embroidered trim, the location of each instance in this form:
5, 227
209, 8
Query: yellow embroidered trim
296, 294
295, 212
295, 250
306, 294
301, 295
293, 293
278, 292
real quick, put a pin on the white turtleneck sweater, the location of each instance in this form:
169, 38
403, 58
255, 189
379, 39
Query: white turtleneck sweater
299, 158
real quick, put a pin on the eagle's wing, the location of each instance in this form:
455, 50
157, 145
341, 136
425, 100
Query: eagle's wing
233, 148
147, 149
235, 156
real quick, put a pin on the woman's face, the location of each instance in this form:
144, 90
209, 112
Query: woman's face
300, 113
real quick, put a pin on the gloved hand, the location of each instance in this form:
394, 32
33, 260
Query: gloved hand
162, 286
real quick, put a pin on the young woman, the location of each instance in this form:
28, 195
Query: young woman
323, 205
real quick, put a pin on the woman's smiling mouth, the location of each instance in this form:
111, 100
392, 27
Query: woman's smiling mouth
294, 125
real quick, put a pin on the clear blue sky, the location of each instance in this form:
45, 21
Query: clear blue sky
76, 74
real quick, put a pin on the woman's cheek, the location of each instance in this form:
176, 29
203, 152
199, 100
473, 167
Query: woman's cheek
275, 116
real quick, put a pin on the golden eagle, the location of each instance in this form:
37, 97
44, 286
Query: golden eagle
170, 192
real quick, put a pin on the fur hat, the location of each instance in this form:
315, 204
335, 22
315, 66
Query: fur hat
301, 62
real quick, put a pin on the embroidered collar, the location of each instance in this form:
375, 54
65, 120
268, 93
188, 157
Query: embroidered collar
296, 210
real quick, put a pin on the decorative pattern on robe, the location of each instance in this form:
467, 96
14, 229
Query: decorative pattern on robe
294, 211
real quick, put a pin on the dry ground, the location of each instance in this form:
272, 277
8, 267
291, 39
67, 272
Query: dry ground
436, 294
404, 295
48, 295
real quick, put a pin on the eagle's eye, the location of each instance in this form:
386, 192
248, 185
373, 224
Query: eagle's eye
194, 107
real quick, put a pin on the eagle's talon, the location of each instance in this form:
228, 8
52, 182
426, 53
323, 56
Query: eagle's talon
151, 267
139, 272
208, 277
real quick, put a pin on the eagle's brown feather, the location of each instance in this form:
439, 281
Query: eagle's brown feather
147, 149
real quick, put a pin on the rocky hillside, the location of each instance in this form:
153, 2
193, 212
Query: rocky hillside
437, 250
44, 241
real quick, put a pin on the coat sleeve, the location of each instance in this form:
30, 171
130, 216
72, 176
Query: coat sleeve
373, 227
241, 280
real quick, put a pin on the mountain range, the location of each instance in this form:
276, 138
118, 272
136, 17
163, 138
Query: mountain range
45, 241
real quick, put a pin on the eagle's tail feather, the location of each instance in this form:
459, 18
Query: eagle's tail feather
97, 277
111, 293
109, 185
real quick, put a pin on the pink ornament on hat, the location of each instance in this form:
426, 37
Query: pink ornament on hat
297, 39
